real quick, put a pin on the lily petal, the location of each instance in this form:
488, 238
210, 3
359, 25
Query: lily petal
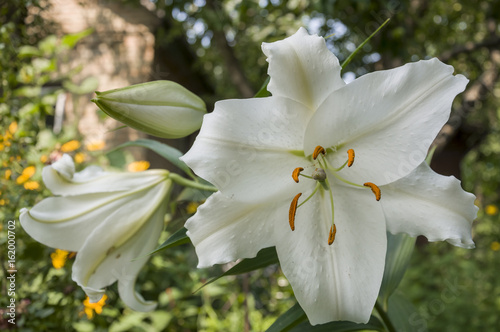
95, 181
429, 204
236, 230
389, 118
77, 217
338, 281
107, 256
302, 69
244, 140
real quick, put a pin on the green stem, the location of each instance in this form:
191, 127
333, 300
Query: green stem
385, 317
191, 184
346, 62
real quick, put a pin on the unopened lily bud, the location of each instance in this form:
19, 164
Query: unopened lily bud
160, 108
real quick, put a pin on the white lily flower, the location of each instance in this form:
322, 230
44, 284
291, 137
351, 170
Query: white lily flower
331, 240
112, 220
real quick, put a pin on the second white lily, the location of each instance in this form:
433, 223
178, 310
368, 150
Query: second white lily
112, 220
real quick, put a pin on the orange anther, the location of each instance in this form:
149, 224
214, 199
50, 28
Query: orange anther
319, 149
293, 210
296, 173
331, 236
375, 189
350, 157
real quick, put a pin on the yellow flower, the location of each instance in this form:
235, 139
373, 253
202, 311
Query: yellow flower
29, 171
495, 246
491, 209
138, 166
44, 158
7, 174
95, 146
59, 258
70, 146
26, 174
91, 307
80, 157
192, 207
31, 185
13, 127
2, 147
2, 202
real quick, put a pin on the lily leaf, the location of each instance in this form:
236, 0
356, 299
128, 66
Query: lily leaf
399, 250
295, 320
404, 315
169, 153
265, 257
263, 92
174, 240
340, 326
293, 317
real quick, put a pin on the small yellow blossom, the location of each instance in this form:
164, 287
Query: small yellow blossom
29, 171
491, 209
59, 258
31, 185
26, 174
495, 246
3, 202
80, 157
7, 174
95, 146
192, 207
2, 147
44, 158
18, 158
91, 307
13, 127
70, 146
138, 166
21, 179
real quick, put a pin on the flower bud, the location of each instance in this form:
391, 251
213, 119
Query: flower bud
160, 108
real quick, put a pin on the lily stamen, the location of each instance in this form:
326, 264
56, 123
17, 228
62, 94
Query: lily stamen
375, 189
331, 235
296, 173
350, 157
293, 211
319, 149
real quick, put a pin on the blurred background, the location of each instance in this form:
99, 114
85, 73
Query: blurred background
54, 54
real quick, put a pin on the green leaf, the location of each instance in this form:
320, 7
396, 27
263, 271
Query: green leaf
265, 257
87, 86
399, 251
174, 240
295, 320
169, 153
28, 51
71, 39
294, 316
346, 62
340, 326
263, 92
404, 315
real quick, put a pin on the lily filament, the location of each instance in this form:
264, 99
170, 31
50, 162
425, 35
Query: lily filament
320, 176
